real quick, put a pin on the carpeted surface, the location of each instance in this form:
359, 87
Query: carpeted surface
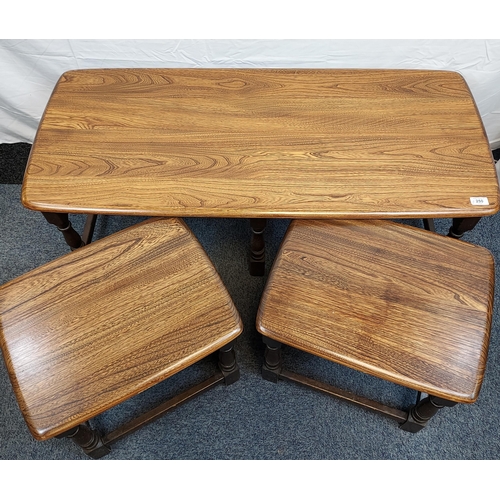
13, 158
251, 419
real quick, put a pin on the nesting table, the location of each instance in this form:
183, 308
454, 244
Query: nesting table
261, 143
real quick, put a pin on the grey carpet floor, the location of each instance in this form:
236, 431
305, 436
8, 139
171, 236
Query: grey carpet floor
251, 419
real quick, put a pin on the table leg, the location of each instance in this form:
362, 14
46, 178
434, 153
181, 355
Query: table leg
257, 247
461, 225
423, 411
273, 363
88, 230
89, 440
429, 225
61, 221
73, 239
228, 365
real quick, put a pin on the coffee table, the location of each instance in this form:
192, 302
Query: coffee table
261, 143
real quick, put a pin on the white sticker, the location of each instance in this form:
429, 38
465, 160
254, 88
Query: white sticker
479, 200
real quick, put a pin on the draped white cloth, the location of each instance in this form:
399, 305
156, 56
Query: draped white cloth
29, 69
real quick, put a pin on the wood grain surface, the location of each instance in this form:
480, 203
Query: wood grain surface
393, 301
95, 327
261, 143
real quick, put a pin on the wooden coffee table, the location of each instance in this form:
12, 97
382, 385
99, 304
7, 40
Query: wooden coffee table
261, 143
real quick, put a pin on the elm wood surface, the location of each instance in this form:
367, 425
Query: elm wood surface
393, 301
107, 321
261, 143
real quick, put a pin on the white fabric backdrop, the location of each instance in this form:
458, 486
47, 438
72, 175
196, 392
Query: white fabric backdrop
29, 69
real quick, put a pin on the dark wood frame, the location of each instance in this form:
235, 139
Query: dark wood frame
96, 445
412, 420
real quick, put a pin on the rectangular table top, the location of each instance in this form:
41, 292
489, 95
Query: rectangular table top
262, 143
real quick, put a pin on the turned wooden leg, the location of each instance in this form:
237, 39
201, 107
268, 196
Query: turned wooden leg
272, 360
61, 221
461, 225
257, 247
89, 440
420, 413
228, 365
